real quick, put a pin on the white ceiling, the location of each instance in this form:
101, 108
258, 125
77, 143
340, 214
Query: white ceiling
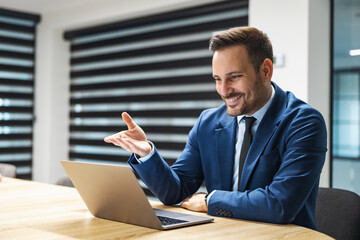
40, 6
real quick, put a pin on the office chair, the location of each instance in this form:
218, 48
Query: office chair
64, 181
337, 213
7, 170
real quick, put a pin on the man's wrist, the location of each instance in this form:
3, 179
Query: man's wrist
208, 196
205, 199
145, 158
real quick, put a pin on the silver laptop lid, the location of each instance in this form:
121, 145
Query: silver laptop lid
112, 192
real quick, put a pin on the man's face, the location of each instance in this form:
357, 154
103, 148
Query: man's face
241, 88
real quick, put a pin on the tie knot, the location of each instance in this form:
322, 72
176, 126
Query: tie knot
249, 121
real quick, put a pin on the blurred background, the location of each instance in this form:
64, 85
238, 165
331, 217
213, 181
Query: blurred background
69, 68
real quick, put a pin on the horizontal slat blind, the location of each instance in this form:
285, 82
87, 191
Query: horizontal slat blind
157, 68
17, 66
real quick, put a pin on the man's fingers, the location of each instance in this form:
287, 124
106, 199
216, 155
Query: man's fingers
112, 138
122, 143
128, 120
185, 203
108, 139
195, 203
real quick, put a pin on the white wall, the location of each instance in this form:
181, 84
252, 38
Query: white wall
319, 69
301, 31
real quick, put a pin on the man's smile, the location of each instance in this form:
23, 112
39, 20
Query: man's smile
233, 100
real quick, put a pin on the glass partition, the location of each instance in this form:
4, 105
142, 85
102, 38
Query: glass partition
346, 95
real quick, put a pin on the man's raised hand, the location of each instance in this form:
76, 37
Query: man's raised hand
133, 140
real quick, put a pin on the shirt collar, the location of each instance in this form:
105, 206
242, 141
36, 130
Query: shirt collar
259, 114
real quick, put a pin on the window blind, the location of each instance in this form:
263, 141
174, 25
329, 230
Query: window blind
157, 68
17, 67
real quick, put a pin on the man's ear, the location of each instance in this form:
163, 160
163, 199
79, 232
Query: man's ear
266, 70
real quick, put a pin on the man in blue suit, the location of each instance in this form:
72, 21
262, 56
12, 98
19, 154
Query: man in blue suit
260, 154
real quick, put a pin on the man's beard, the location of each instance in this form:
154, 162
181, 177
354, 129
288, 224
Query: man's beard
240, 109
233, 111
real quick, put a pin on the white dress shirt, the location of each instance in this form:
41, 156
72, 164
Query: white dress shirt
259, 115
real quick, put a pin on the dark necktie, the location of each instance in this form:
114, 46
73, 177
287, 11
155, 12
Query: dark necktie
249, 121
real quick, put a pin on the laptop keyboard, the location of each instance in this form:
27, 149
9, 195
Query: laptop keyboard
169, 221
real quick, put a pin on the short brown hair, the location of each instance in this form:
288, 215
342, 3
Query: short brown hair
255, 41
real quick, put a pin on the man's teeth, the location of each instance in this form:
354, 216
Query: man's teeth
234, 99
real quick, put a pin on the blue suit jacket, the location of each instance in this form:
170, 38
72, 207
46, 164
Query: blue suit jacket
280, 178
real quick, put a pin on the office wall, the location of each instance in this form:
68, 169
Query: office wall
300, 31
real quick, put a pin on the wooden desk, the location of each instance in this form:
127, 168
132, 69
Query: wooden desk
32, 210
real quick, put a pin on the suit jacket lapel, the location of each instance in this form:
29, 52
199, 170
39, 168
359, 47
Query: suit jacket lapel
265, 131
225, 144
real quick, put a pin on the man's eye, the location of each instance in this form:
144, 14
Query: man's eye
217, 79
235, 76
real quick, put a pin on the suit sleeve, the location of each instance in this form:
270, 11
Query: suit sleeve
299, 171
173, 184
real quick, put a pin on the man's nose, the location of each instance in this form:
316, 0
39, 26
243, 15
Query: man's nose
224, 89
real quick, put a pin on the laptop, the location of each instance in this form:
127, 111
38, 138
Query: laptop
112, 192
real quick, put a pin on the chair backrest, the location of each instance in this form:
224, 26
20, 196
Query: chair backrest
7, 170
338, 213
